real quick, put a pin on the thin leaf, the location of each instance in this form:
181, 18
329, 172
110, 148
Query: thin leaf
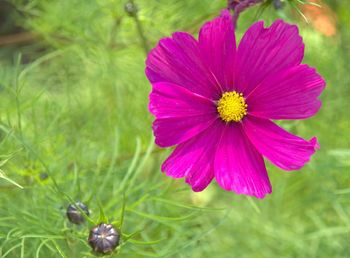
3, 176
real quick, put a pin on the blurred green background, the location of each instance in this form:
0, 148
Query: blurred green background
74, 125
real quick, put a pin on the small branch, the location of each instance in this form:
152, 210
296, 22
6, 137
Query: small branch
142, 35
131, 9
18, 38
114, 30
239, 6
231, 4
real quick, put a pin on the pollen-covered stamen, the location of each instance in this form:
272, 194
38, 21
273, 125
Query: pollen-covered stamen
231, 106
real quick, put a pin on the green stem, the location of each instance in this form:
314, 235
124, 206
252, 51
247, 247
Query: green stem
141, 34
131, 9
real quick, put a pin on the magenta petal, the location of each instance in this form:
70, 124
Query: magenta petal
282, 148
194, 159
238, 166
175, 130
291, 94
218, 45
263, 52
181, 114
178, 60
170, 100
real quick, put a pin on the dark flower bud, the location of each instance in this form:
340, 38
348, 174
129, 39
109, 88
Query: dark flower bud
43, 176
130, 8
103, 238
74, 214
278, 4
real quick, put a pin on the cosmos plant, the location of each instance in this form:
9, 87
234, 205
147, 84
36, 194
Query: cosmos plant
215, 102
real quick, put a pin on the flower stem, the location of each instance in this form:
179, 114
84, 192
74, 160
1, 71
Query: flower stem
239, 6
141, 34
132, 11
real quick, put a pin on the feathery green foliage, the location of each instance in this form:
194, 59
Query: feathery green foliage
74, 125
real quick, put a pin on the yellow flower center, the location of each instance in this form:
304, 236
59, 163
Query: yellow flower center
232, 107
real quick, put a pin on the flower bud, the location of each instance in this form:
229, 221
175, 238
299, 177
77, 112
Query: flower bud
130, 8
103, 238
278, 4
43, 176
74, 214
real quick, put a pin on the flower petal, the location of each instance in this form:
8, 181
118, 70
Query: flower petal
291, 94
218, 46
282, 148
263, 52
170, 100
175, 130
181, 114
194, 159
238, 166
178, 60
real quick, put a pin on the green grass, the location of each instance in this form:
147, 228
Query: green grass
73, 105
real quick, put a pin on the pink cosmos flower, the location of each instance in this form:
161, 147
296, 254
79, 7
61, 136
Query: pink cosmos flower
215, 102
